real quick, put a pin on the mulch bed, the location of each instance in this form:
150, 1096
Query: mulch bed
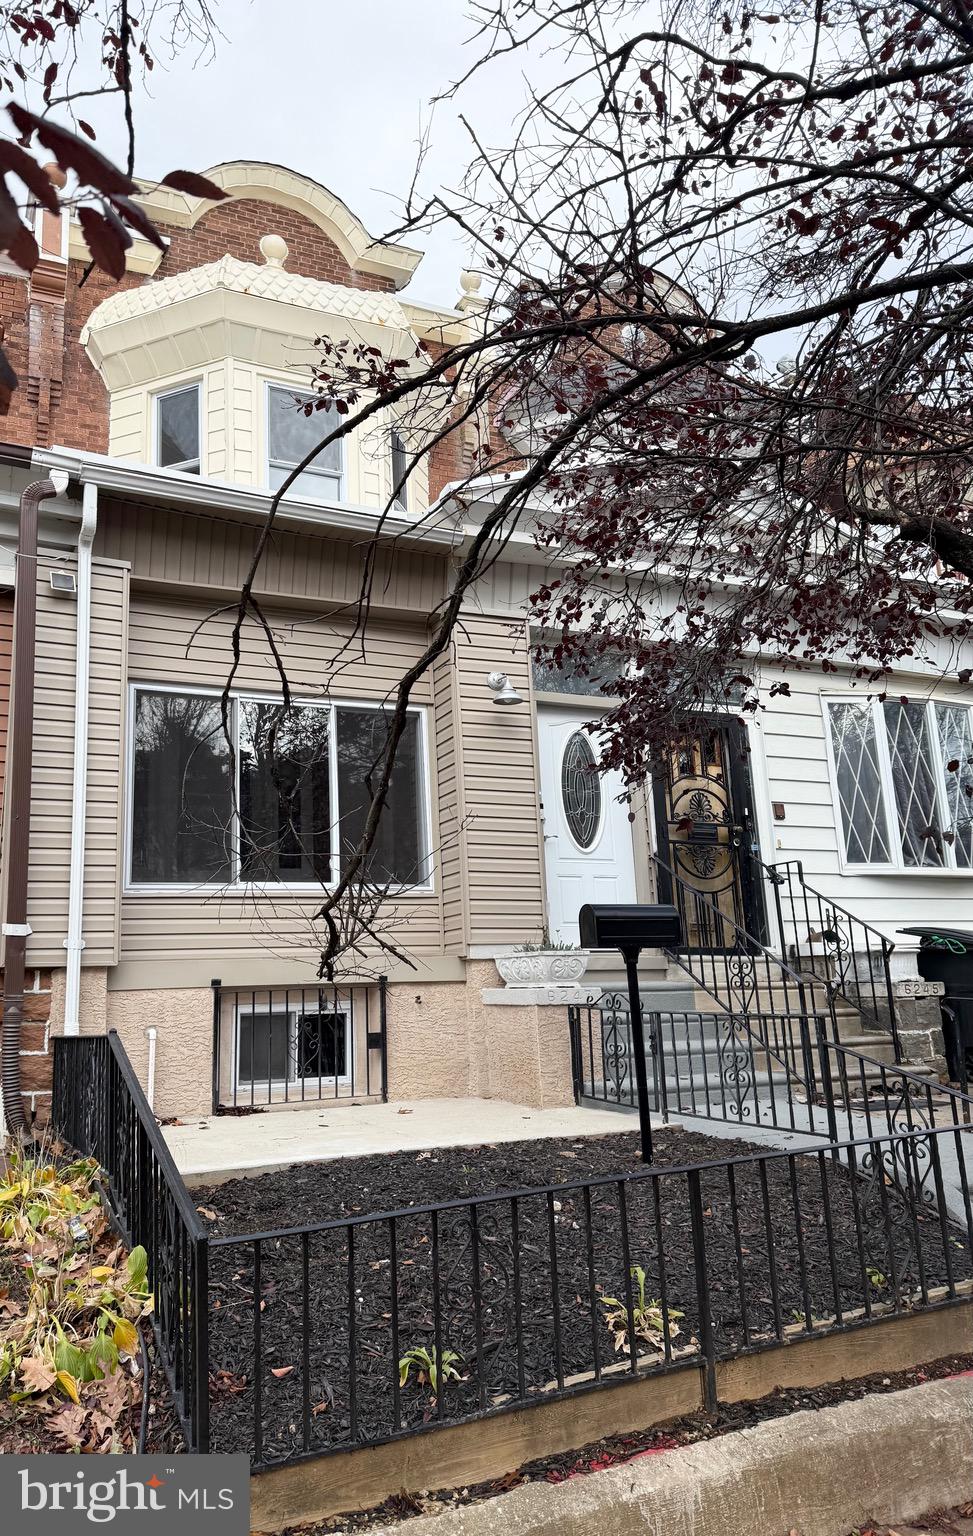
768, 1259
616, 1450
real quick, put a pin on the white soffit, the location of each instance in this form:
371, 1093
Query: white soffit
231, 308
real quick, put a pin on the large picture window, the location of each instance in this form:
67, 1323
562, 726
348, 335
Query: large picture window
281, 802
903, 782
292, 431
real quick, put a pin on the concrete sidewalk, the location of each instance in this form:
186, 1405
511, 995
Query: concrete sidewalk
225, 1146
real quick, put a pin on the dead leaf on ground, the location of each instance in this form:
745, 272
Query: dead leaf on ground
36, 1374
204, 1210
281, 1370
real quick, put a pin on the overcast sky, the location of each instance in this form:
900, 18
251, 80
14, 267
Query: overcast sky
338, 92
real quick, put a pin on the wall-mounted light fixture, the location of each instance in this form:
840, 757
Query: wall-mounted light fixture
503, 690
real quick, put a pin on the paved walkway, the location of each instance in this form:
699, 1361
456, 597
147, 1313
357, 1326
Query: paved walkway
221, 1146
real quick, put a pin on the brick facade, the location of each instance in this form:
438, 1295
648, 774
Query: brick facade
35, 1048
62, 399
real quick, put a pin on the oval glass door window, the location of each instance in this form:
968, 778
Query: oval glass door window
581, 790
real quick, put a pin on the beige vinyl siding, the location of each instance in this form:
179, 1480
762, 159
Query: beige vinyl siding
504, 870
195, 549
246, 468
129, 430
50, 826
214, 425
452, 849
187, 644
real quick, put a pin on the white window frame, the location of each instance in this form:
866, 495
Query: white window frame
289, 386
245, 1010
395, 438
254, 888
157, 398
896, 864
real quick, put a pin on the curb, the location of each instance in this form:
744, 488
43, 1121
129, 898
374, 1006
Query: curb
822, 1473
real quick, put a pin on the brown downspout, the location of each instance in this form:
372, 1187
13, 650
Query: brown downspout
18, 786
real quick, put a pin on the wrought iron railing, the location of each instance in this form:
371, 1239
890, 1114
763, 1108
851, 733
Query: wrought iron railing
740, 974
761, 1068
851, 957
358, 1329
282, 1045
752, 1069
99, 1108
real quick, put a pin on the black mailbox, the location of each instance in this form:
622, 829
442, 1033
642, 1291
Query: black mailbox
630, 927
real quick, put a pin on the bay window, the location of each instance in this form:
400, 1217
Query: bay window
294, 427
275, 797
177, 432
902, 774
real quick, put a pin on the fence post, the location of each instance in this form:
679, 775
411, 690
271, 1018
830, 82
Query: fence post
216, 984
201, 1342
574, 1033
710, 1399
827, 1082
383, 987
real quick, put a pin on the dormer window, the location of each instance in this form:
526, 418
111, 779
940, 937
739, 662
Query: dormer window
291, 434
177, 431
400, 465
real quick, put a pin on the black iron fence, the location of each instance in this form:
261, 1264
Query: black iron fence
282, 1045
359, 1330
823, 938
363, 1328
773, 1069
98, 1107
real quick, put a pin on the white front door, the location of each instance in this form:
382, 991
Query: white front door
588, 850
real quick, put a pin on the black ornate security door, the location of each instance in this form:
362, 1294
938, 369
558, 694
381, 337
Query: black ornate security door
706, 834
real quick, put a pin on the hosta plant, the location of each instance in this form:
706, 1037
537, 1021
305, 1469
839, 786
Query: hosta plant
72, 1298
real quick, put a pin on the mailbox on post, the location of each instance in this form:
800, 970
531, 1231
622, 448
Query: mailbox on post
631, 929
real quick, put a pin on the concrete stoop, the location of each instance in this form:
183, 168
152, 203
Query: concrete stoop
885, 1458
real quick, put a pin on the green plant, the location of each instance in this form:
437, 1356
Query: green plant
430, 1366
876, 1278
545, 944
647, 1317
74, 1313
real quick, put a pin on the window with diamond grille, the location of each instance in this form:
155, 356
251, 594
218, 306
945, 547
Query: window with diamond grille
914, 783
904, 782
581, 790
956, 746
859, 783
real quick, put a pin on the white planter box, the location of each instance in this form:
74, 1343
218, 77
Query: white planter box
543, 967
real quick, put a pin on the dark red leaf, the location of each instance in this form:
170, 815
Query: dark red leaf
953, 765
86, 128
8, 382
139, 220
106, 247
23, 251
72, 153
34, 178
194, 186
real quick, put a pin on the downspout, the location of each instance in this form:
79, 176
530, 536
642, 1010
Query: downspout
74, 943
18, 787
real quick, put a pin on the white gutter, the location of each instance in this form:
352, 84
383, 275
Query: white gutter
74, 943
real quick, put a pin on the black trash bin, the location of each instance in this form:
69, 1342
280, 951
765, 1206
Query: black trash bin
946, 955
